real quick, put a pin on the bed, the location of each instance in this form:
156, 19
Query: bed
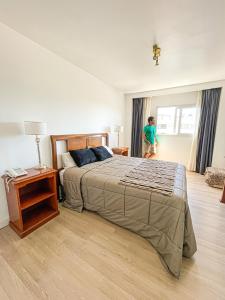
164, 220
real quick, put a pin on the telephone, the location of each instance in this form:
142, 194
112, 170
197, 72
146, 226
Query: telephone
13, 173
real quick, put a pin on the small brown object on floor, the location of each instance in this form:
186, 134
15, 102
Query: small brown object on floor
223, 196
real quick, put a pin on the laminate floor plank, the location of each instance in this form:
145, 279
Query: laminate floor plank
83, 256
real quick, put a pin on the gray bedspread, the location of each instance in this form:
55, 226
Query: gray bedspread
164, 220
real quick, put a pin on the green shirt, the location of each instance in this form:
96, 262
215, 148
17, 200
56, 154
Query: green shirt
150, 133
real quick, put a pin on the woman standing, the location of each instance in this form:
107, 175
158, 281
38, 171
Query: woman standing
150, 138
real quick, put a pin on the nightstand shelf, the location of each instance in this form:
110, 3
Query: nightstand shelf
37, 216
32, 200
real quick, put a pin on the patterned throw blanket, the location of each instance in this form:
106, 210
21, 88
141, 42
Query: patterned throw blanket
153, 175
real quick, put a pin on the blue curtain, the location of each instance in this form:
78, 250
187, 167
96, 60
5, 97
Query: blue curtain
137, 127
207, 128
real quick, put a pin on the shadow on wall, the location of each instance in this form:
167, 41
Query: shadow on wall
11, 129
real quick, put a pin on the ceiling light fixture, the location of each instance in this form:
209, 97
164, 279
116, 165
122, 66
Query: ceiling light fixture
156, 54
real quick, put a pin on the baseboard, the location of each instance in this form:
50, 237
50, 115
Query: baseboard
4, 222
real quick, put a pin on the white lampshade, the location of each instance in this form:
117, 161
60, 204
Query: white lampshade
35, 128
120, 129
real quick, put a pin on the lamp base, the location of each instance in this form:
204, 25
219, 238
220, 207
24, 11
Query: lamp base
40, 167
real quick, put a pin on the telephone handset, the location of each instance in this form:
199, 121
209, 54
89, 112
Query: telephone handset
13, 173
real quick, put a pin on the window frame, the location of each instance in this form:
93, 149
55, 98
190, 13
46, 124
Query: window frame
180, 106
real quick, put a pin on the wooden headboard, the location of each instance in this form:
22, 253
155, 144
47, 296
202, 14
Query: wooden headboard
77, 141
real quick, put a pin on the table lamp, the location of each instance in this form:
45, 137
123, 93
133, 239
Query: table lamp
117, 129
120, 130
37, 129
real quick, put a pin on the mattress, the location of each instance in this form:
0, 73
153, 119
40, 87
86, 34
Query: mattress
61, 174
163, 220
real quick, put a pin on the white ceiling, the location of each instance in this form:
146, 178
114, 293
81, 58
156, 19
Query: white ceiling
112, 39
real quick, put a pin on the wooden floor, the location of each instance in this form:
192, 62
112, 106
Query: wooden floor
82, 256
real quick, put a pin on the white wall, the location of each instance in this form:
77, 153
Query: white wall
182, 146
35, 84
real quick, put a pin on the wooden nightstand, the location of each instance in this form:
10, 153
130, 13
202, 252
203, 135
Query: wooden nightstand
32, 200
121, 151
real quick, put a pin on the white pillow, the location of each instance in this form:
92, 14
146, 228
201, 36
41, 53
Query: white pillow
68, 161
109, 150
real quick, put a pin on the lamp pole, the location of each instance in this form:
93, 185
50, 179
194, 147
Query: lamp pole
38, 150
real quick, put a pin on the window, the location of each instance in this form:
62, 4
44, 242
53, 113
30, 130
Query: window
187, 120
176, 120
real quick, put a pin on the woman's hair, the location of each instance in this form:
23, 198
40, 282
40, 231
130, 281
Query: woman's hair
150, 119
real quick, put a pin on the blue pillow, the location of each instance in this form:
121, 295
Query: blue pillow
101, 153
83, 157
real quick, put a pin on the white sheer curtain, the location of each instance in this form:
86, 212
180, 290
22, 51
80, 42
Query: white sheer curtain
192, 159
146, 114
